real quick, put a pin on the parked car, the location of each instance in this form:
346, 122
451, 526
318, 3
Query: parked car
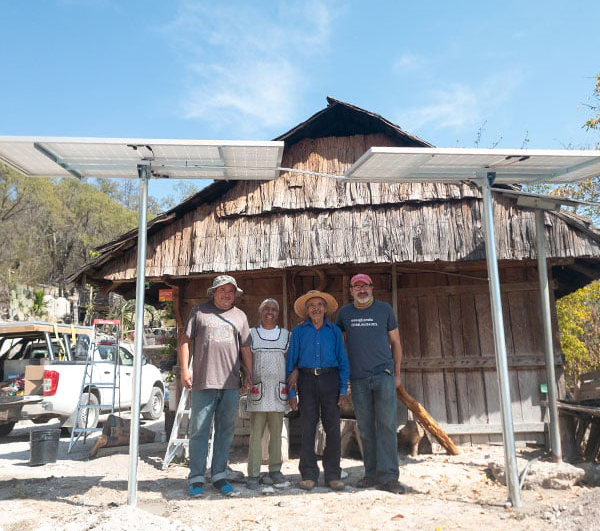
56, 356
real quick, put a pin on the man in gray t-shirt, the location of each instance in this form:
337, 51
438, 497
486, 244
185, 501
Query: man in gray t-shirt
374, 352
219, 333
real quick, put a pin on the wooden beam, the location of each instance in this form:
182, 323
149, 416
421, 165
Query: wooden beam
461, 289
587, 271
578, 408
473, 362
491, 429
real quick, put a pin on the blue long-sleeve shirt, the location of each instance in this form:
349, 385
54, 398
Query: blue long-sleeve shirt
318, 349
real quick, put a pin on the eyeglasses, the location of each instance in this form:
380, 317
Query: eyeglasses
363, 286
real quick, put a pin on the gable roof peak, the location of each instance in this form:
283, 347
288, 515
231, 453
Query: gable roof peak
344, 119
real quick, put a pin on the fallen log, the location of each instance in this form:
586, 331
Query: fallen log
427, 421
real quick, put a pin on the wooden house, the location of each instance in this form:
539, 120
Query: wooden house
421, 243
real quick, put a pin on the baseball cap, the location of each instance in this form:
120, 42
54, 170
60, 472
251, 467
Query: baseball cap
361, 277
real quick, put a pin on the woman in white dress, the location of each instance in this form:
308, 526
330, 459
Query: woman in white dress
268, 397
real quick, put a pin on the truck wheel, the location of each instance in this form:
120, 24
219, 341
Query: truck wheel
5, 429
92, 414
155, 405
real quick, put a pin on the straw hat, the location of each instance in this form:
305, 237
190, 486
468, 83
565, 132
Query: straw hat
300, 304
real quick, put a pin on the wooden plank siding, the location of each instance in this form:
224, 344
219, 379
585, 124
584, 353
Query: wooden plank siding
446, 331
455, 330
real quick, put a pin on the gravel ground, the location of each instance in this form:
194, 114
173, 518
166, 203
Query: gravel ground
446, 493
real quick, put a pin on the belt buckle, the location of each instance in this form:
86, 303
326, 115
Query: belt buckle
317, 372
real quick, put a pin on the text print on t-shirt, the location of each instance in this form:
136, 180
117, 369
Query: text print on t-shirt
362, 321
219, 331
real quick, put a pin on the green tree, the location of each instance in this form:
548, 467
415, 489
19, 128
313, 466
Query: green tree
20, 198
40, 306
125, 312
86, 219
50, 227
579, 323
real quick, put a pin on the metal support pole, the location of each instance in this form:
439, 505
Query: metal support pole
143, 172
510, 457
395, 288
555, 446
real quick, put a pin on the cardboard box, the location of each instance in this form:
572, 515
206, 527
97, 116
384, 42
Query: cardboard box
34, 379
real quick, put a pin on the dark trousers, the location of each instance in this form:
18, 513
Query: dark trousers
318, 399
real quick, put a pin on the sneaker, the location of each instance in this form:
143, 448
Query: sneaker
278, 480
366, 482
336, 484
196, 489
393, 486
307, 484
253, 483
223, 486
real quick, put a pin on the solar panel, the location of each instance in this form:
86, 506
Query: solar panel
446, 165
119, 157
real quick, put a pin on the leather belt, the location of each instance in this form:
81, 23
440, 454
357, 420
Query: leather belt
317, 372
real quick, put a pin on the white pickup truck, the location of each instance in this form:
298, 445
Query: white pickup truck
55, 355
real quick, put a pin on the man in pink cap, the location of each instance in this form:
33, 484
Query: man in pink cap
374, 351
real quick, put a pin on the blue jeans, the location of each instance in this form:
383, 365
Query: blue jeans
376, 410
222, 406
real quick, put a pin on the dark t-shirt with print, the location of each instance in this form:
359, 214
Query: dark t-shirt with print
367, 338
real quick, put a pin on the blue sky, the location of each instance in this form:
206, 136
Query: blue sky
518, 72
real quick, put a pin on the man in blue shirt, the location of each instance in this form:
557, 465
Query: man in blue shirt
318, 365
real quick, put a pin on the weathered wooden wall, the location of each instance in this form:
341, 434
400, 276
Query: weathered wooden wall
446, 329
450, 367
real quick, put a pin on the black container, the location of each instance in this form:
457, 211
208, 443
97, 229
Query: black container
44, 446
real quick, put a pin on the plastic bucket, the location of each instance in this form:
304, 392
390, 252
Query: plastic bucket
44, 446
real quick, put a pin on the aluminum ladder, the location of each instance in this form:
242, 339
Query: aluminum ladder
179, 443
88, 401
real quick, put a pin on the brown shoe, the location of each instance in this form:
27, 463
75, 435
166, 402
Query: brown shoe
307, 484
336, 484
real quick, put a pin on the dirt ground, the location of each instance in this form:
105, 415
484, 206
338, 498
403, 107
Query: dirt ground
446, 493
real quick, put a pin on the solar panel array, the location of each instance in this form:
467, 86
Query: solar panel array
120, 157
446, 165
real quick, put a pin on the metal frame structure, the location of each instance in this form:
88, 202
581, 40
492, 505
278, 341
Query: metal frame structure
143, 159
487, 167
